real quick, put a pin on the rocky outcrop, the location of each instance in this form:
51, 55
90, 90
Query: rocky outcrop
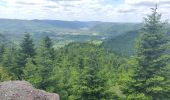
22, 90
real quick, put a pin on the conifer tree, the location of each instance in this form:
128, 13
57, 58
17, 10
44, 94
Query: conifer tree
150, 79
43, 62
32, 72
91, 84
9, 61
46, 48
27, 46
26, 51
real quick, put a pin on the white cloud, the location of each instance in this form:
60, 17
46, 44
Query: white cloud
86, 10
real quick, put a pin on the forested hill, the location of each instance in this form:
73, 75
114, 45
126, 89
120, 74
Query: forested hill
116, 29
16, 23
68, 24
63, 32
124, 44
3, 40
86, 70
18, 26
117, 37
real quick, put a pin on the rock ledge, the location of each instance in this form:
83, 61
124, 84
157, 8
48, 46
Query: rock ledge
22, 90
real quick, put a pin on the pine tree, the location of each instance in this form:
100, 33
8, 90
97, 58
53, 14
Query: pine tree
27, 47
9, 61
91, 84
44, 62
32, 72
46, 49
150, 80
26, 51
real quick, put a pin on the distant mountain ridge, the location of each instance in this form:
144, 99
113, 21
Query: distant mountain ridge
68, 24
64, 32
51, 23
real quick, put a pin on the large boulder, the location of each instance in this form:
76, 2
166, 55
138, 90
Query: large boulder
22, 90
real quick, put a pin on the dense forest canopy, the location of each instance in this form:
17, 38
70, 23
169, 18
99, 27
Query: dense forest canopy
96, 68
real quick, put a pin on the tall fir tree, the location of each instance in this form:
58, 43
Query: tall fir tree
26, 51
45, 58
32, 72
27, 47
44, 64
150, 79
9, 60
46, 48
91, 84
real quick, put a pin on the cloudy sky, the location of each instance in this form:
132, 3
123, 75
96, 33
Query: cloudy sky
82, 10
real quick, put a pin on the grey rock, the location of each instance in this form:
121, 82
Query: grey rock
22, 90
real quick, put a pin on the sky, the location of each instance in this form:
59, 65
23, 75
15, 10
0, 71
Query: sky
82, 10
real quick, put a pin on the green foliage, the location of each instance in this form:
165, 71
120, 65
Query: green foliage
31, 73
38, 70
78, 71
91, 84
150, 80
27, 47
85, 71
46, 49
4, 75
9, 60
123, 44
115, 29
26, 51
89, 71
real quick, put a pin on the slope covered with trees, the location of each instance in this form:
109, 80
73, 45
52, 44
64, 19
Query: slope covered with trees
85, 67
89, 71
124, 44
63, 32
